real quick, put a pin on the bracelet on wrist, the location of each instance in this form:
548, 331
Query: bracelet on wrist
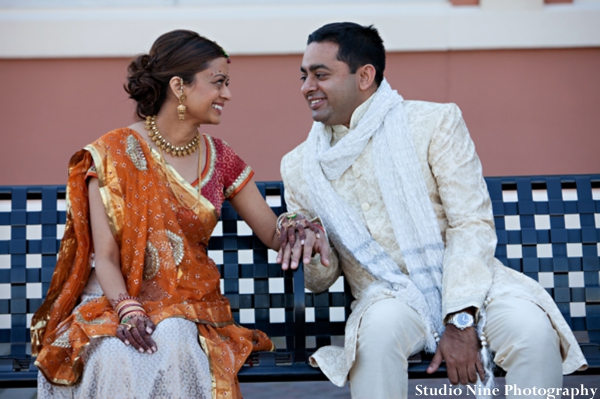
121, 298
127, 306
126, 319
286, 218
138, 309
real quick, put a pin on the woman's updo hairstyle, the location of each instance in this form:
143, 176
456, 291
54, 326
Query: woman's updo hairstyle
180, 53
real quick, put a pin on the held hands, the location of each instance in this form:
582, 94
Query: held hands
460, 349
300, 237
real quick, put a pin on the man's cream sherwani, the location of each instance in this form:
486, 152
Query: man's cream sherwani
459, 196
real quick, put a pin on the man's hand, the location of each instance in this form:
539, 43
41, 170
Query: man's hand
460, 349
311, 244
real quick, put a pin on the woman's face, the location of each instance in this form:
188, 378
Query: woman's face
207, 95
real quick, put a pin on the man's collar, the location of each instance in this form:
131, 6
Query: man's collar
339, 131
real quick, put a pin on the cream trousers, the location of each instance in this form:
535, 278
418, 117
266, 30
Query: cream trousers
526, 346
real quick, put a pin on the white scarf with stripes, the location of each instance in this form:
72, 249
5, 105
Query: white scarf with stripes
404, 192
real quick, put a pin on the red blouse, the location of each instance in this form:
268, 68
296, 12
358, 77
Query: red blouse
224, 174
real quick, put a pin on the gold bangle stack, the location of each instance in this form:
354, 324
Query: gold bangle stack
127, 308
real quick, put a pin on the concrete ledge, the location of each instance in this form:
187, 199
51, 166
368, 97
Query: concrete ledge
265, 29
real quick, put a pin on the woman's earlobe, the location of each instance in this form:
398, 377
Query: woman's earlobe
176, 85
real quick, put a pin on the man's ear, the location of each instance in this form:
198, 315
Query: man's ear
175, 85
366, 76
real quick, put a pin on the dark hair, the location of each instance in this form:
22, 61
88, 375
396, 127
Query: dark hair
180, 53
358, 45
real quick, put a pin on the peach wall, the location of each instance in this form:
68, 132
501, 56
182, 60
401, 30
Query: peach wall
529, 111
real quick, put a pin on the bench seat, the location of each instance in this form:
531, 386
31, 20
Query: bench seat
548, 227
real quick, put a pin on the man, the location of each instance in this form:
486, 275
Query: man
399, 190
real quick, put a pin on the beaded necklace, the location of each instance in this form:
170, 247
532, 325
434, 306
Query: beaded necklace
164, 145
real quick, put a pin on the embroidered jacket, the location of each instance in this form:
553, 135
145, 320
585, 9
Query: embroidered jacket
459, 196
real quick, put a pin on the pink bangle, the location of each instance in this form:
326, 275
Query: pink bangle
115, 302
132, 313
129, 309
126, 319
128, 305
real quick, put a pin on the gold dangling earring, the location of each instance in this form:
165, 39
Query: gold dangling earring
181, 108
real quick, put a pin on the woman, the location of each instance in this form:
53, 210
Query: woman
134, 308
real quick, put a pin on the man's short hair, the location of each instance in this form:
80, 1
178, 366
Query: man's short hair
358, 45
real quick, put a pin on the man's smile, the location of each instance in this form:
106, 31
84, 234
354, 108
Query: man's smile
315, 103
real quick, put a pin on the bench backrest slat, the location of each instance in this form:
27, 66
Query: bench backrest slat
548, 227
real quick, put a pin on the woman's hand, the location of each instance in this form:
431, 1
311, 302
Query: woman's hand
290, 225
306, 248
136, 332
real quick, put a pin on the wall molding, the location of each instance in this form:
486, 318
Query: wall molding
268, 29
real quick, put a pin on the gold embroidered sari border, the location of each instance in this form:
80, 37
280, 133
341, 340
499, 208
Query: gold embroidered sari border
77, 363
213, 381
239, 182
197, 321
212, 153
113, 212
192, 195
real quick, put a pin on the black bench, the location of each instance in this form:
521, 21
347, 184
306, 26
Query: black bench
548, 228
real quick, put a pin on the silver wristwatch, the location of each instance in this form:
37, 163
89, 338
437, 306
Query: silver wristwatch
462, 320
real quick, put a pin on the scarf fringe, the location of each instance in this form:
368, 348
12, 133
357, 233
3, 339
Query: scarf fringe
486, 358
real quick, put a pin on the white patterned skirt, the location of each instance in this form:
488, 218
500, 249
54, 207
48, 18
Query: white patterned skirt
178, 369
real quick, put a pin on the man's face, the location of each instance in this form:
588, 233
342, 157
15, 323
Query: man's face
331, 91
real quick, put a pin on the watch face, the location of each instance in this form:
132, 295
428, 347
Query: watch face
463, 320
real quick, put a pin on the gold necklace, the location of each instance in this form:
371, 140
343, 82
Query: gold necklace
164, 145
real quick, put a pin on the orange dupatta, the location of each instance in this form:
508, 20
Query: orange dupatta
162, 227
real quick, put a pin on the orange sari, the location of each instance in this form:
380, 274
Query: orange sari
162, 227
